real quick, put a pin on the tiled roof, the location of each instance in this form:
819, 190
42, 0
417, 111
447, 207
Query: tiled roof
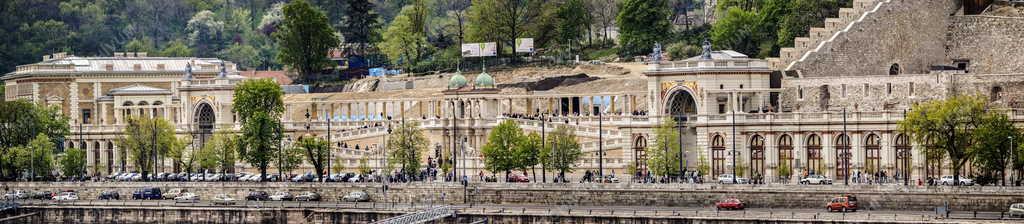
279, 76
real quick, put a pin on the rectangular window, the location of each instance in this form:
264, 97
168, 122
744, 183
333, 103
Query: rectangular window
800, 92
866, 89
86, 116
844, 90
911, 88
888, 87
721, 108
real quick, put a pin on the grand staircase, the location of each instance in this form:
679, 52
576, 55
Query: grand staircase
820, 36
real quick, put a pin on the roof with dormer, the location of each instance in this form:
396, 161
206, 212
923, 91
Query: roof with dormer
64, 65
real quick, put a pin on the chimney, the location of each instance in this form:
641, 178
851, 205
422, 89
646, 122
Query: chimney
109, 67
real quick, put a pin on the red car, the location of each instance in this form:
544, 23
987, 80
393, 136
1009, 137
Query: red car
518, 178
843, 204
730, 204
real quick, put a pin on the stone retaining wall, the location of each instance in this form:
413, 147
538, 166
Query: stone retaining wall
774, 196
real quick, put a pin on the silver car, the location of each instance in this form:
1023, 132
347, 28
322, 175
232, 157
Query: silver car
1016, 210
356, 196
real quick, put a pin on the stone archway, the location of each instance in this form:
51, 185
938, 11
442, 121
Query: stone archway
203, 120
640, 153
681, 103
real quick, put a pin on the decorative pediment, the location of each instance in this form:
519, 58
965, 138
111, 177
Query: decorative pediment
139, 89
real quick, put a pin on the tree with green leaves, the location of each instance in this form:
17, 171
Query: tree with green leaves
501, 21
145, 139
405, 40
305, 37
246, 56
72, 162
642, 23
739, 30
664, 153
562, 151
573, 22
176, 48
406, 144
178, 152
360, 24
22, 122
364, 166
947, 126
992, 146
259, 104
40, 160
529, 150
316, 150
500, 153
219, 154
205, 33
291, 158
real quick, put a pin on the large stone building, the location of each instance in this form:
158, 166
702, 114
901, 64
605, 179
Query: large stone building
828, 105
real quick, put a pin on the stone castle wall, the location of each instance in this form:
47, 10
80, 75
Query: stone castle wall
904, 32
993, 44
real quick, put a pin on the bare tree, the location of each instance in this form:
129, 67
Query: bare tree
603, 13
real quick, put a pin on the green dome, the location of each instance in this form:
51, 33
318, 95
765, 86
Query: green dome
484, 80
457, 81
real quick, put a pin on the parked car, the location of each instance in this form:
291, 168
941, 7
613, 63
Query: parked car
356, 196
174, 193
42, 195
66, 196
1016, 210
113, 175
842, 203
148, 193
257, 196
282, 196
15, 195
110, 195
948, 180
728, 179
136, 177
607, 179
308, 196
308, 177
187, 197
730, 204
816, 179
224, 199
518, 178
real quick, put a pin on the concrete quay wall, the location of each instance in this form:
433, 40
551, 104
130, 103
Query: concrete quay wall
79, 214
672, 195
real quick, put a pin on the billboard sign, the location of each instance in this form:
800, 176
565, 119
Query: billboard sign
480, 49
524, 45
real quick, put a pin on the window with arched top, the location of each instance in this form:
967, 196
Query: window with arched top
894, 69
843, 156
717, 155
756, 156
814, 163
903, 156
872, 154
785, 147
640, 153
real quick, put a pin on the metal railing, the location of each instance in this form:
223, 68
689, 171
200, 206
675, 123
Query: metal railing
420, 217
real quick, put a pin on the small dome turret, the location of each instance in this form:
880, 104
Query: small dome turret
457, 81
484, 80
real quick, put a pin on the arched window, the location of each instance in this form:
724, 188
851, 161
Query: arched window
872, 154
756, 156
786, 154
110, 157
717, 155
894, 69
842, 145
903, 156
640, 153
814, 165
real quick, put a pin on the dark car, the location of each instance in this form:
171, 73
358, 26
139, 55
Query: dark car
730, 204
308, 196
43, 195
257, 196
148, 193
110, 195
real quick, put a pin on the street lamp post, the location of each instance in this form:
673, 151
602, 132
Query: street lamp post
329, 149
600, 143
734, 145
1011, 159
846, 152
384, 157
682, 153
543, 142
